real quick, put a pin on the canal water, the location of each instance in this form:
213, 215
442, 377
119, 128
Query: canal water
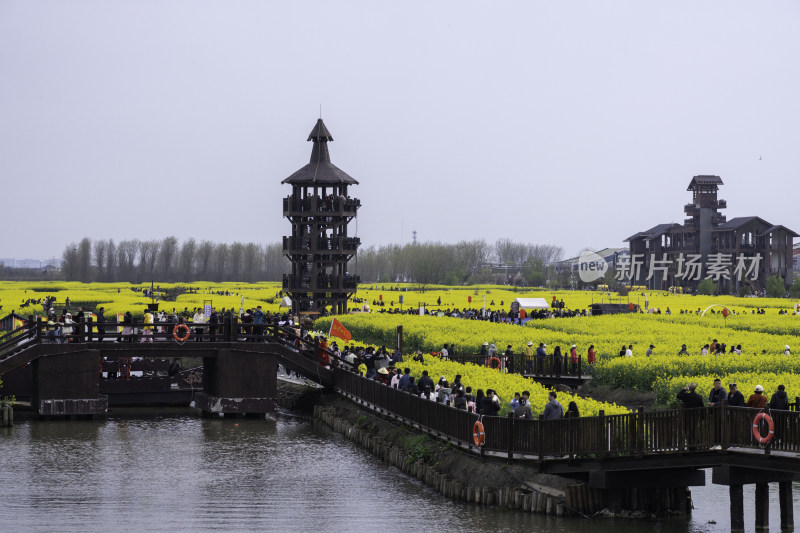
175, 471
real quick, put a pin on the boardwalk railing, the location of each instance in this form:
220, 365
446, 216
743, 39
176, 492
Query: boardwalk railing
549, 365
131, 334
676, 431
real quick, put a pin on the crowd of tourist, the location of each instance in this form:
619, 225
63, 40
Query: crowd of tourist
733, 397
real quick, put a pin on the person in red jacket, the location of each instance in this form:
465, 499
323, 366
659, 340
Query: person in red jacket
573, 359
758, 399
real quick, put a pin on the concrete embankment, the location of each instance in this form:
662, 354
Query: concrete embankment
465, 477
444, 468
450, 471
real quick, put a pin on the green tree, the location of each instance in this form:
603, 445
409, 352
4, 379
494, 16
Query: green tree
776, 288
707, 287
533, 272
794, 290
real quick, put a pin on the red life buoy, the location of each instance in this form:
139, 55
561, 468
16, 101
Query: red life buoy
478, 435
181, 338
757, 432
489, 362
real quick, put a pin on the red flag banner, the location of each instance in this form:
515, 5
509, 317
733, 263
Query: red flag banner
338, 330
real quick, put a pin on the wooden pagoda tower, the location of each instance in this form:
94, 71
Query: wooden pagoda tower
319, 248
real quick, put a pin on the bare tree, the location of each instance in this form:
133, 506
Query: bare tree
234, 270
100, 259
111, 260
275, 263
126, 260
205, 253
186, 262
148, 254
70, 265
220, 261
250, 263
166, 257
85, 260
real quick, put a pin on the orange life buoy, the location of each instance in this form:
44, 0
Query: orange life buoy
181, 327
489, 362
757, 432
478, 435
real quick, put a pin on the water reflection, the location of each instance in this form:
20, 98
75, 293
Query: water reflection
174, 471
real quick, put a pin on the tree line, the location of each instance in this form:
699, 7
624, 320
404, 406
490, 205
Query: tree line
169, 260
466, 262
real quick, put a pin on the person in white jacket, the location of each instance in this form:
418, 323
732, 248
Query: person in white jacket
199, 318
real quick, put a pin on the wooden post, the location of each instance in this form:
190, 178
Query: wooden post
723, 424
511, 436
39, 329
640, 430
762, 506
787, 511
540, 437
400, 339
737, 508
601, 421
681, 429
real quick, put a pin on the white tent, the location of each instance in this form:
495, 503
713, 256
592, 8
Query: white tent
532, 303
285, 302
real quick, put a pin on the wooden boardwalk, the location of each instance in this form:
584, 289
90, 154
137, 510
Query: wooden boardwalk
611, 452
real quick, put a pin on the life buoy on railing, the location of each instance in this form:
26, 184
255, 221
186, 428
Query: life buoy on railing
478, 434
757, 432
489, 362
181, 338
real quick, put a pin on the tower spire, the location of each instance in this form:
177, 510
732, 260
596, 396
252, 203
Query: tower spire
320, 135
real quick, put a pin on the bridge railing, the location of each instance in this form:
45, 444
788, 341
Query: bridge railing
550, 365
228, 330
633, 434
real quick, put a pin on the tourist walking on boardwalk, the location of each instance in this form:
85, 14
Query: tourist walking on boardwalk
689, 397
258, 324
147, 332
572, 410
199, 318
717, 394
213, 320
127, 328
591, 356
735, 397
573, 359
779, 400
553, 410
68, 327
757, 400
509, 359
101, 323
523, 410
541, 355
529, 358
425, 381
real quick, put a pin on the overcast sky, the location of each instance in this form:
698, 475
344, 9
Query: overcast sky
574, 123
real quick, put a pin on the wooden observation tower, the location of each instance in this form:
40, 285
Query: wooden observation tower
319, 248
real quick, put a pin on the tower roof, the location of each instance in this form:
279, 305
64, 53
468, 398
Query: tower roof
320, 170
704, 180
